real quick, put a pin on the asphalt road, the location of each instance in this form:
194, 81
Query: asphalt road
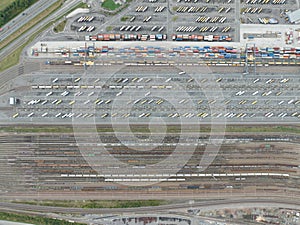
24, 37
24, 17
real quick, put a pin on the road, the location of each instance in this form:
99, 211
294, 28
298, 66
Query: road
23, 18
24, 37
207, 204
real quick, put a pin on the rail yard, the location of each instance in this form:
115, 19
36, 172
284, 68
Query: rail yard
244, 164
176, 100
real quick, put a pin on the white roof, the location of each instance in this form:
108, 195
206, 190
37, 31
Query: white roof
294, 16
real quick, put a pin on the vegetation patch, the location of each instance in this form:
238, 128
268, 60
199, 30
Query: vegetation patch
110, 5
5, 3
109, 28
82, 5
174, 18
46, 129
124, 18
31, 23
13, 58
16, 217
91, 204
13, 8
145, 129
60, 27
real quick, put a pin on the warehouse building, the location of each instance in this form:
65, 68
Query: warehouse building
294, 16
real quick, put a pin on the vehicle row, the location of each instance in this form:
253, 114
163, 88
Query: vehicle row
130, 28
201, 115
224, 9
186, 28
85, 19
141, 8
128, 37
251, 10
210, 38
192, 9
267, 20
147, 19
122, 83
265, 1
208, 29
215, 19
86, 28
157, 28
143, 103
195, 1
159, 9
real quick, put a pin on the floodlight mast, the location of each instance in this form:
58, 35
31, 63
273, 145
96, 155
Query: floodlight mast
252, 45
85, 52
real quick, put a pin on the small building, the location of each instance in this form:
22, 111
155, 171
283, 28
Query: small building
294, 17
12, 101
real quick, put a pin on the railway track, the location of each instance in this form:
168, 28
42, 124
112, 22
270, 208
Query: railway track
284, 203
43, 159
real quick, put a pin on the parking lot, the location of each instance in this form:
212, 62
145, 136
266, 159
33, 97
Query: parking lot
213, 20
266, 11
165, 17
86, 23
174, 97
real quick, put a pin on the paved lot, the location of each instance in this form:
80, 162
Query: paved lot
200, 17
189, 97
166, 17
252, 10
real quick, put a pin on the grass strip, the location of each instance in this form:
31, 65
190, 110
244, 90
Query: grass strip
91, 204
13, 58
31, 23
23, 218
145, 129
9, 9
60, 27
5, 3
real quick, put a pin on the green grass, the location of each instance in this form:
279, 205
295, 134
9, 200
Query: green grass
82, 5
110, 5
31, 23
13, 8
13, 58
16, 217
46, 129
144, 129
60, 27
109, 28
91, 204
175, 8
124, 18
5, 3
